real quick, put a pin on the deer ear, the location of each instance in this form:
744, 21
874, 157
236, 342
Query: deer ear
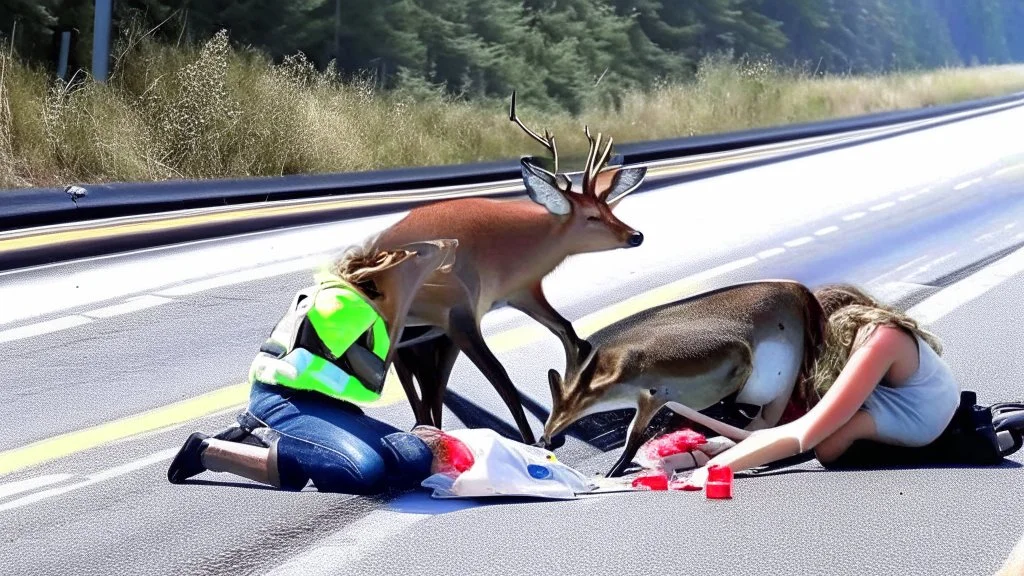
555, 383
541, 186
626, 180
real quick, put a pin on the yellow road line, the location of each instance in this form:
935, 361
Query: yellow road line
235, 396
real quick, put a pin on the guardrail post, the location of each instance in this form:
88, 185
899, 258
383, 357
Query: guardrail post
101, 40
62, 59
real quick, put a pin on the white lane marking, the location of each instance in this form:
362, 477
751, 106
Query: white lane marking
798, 242
924, 190
827, 230
1002, 171
260, 273
967, 184
12, 488
770, 252
935, 262
92, 479
363, 537
968, 289
1009, 226
903, 267
40, 328
718, 270
132, 305
907, 197
985, 237
882, 206
854, 216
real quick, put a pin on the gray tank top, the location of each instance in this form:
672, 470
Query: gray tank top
915, 412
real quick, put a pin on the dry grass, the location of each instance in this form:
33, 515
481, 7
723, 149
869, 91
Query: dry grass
214, 111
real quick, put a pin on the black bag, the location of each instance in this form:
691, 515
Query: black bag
971, 438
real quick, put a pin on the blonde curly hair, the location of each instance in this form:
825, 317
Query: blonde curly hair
361, 263
852, 315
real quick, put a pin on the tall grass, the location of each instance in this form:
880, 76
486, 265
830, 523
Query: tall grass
216, 111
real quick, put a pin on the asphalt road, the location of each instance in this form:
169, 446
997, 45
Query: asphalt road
907, 217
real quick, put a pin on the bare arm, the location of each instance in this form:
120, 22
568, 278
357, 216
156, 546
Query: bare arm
865, 368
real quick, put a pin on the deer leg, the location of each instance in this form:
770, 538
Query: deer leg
534, 304
646, 408
464, 330
437, 360
447, 353
405, 376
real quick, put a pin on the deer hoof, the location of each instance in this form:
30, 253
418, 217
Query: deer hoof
556, 442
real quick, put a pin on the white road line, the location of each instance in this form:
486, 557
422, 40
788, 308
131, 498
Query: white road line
967, 184
907, 197
827, 230
770, 252
12, 488
985, 237
854, 216
1002, 171
263, 272
363, 537
903, 267
93, 479
882, 206
1009, 226
924, 190
968, 289
40, 328
132, 305
798, 242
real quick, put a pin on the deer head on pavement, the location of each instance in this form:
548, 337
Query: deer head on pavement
505, 249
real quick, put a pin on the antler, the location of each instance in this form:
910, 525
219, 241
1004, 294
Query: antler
594, 162
548, 140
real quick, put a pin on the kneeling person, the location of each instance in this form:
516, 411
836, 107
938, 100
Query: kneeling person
330, 350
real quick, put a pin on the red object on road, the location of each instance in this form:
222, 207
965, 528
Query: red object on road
651, 481
719, 484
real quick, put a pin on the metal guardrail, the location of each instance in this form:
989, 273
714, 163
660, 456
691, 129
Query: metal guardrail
22, 208
117, 217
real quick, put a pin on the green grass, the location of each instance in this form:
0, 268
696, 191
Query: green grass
216, 111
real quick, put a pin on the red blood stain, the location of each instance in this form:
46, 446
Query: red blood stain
453, 455
684, 440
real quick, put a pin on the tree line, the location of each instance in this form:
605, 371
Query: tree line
556, 53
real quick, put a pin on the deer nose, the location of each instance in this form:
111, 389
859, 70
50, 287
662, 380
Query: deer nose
636, 239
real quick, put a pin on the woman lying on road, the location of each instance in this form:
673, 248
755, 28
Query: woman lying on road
879, 377
329, 350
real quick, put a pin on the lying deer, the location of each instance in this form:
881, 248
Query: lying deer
505, 249
754, 340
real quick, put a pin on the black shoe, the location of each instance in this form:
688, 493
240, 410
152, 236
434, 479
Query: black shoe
187, 462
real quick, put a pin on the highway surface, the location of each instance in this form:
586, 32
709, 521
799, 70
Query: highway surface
110, 363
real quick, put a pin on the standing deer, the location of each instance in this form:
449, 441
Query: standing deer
505, 249
754, 340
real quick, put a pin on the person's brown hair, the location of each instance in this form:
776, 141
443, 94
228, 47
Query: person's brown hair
852, 315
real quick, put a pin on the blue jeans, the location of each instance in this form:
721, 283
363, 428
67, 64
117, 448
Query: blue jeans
333, 444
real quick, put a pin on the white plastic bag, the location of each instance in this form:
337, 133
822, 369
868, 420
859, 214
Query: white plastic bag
504, 467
